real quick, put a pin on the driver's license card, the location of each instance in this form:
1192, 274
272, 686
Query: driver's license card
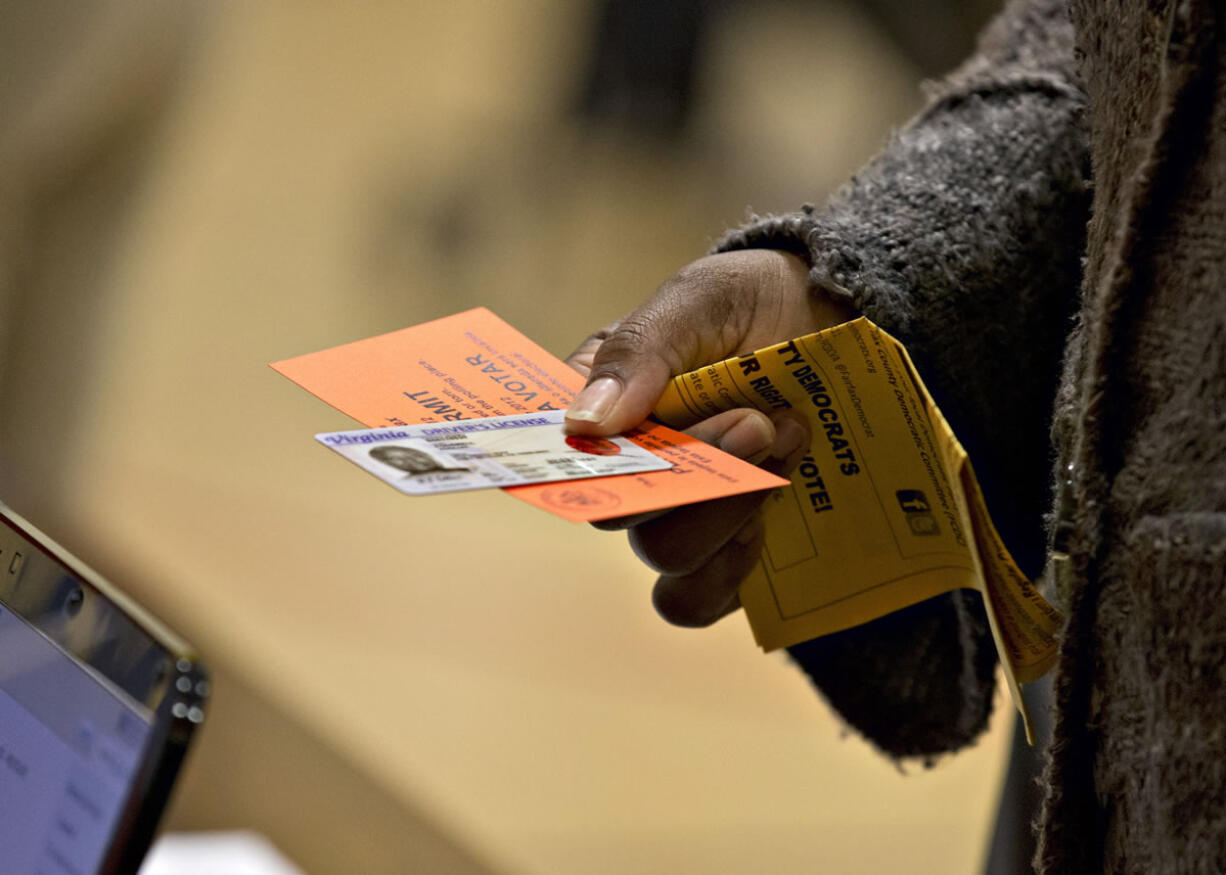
495, 451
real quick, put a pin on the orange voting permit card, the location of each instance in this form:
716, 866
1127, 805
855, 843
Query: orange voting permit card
474, 365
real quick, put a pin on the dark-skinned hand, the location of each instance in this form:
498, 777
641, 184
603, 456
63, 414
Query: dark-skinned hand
719, 306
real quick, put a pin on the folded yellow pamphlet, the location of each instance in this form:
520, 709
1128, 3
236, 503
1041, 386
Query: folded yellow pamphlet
885, 510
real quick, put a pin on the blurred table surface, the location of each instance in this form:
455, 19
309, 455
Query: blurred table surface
490, 676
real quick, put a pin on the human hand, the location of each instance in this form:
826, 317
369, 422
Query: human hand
719, 306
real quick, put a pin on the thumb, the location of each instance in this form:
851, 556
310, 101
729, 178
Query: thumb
629, 372
705, 313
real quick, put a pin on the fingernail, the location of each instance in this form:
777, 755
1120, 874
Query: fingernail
747, 438
595, 401
789, 438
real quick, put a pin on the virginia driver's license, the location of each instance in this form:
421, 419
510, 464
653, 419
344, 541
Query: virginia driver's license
496, 451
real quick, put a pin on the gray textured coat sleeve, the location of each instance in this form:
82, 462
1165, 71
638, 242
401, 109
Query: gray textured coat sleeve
963, 239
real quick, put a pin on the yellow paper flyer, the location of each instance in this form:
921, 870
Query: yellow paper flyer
884, 511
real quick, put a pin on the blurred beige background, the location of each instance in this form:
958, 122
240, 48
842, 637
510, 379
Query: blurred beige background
460, 684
